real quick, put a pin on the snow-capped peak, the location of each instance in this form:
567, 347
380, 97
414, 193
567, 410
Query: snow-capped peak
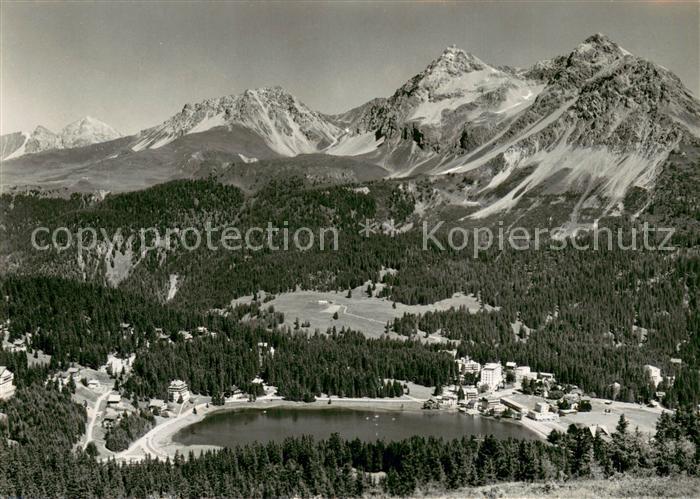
455, 79
283, 121
83, 132
455, 61
86, 131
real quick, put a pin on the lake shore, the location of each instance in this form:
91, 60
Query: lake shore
160, 442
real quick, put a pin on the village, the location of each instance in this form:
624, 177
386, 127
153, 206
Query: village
493, 390
536, 399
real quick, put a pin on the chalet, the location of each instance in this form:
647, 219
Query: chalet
178, 391
110, 419
233, 391
202, 330
511, 365
157, 405
471, 394
448, 400
93, 384
7, 386
114, 399
18, 346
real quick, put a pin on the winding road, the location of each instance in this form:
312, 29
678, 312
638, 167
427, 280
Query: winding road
95, 412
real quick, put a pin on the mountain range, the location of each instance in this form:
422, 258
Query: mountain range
80, 133
597, 121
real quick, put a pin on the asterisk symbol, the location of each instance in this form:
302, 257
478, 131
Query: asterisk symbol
368, 228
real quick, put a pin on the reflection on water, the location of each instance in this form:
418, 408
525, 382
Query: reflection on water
230, 428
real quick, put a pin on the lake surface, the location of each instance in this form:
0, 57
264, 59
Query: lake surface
230, 428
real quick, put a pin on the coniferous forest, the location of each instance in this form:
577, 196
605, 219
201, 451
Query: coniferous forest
38, 460
636, 308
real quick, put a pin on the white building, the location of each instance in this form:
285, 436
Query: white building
448, 400
654, 373
522, 372
491, 405
492, 375
541, 407
178, 389
468, 366
471, 394
543, 416
7, 387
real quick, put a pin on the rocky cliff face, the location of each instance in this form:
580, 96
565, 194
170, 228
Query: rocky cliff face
286, 124
450, 105
595, 121
603, 123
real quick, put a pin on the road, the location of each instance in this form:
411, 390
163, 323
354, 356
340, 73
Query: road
95, 412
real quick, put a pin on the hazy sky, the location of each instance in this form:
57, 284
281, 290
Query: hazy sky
133, 65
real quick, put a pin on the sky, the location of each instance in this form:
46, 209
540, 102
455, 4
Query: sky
133, 65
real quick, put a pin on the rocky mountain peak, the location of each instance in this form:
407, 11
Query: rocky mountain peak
455, 61
597, 50
287, 125
86, 131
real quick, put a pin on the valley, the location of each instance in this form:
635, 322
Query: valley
386, 363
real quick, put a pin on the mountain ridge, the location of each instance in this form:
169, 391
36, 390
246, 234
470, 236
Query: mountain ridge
79, 133
596, 120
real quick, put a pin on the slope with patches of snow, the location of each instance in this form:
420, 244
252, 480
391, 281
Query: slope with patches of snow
447, 109
286, 125
602, 125
86, 131
576, 168
354, 145
83, 132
